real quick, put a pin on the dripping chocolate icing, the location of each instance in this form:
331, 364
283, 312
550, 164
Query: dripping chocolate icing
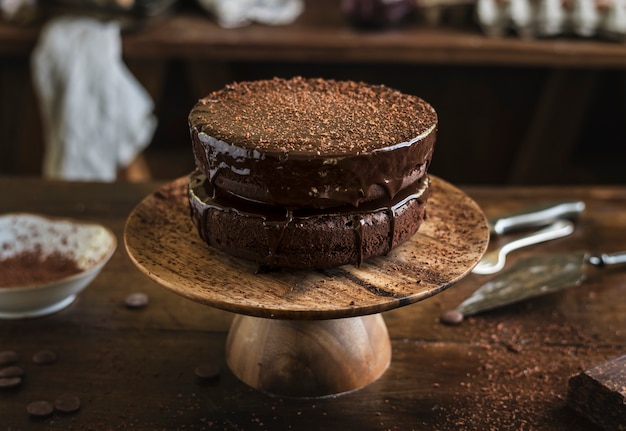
312, 143
204, 199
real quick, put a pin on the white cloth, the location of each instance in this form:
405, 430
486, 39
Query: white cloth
97, 117
237, 13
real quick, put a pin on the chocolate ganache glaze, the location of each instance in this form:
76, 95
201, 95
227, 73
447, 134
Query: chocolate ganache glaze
312, 142
276, 237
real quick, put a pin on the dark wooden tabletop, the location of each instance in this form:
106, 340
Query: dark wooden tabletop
135, 368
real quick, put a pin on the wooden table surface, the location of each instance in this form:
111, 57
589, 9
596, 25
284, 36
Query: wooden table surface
135, 368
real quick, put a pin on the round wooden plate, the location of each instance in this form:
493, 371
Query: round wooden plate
163, 242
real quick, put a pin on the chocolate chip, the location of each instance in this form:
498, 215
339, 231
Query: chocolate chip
45, 357
136, 300
40, 408
8, 357
67, 403
12, 371
10, 382
208, 371
451, 317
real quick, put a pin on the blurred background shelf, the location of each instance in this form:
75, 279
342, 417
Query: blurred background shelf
512, 110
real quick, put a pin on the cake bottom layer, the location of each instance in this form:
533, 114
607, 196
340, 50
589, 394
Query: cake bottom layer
275, 237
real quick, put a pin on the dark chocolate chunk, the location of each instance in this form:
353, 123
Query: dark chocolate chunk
599, 394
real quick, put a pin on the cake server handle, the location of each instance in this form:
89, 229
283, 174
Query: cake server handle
494, 260
536, 216
606, 259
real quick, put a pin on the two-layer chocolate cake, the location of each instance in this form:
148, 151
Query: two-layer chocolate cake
309, 173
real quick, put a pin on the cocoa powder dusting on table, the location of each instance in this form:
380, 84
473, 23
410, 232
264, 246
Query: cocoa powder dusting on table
28, 268
522, 375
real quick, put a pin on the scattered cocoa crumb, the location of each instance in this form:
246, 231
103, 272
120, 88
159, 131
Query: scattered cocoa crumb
519, 387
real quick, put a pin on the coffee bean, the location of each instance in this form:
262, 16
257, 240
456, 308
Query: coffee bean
45, 357
8, 357
136, 300
67, 403
451, 317
208, 371
40, 408
12, 371
10, 382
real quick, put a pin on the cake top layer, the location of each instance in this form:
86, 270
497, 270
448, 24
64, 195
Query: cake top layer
312, 116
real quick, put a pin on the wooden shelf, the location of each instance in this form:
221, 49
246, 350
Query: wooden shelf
323, 34
189, 36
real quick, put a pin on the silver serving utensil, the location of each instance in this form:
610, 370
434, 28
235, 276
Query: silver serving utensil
535, 276
493, 261
536, 217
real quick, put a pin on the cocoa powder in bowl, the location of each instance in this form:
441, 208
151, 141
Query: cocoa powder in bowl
31, 267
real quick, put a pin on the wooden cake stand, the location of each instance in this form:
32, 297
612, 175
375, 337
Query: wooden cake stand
307, 333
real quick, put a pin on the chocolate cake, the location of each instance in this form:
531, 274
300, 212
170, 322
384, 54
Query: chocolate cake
309, 173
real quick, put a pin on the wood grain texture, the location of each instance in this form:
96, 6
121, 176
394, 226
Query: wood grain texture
164, 244
308, 358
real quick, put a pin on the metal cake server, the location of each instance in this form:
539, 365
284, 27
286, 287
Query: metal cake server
493, 261
535, 276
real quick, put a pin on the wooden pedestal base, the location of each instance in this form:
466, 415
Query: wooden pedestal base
308, 358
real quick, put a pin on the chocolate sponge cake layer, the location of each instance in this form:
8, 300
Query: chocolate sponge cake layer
275, 237
311, 142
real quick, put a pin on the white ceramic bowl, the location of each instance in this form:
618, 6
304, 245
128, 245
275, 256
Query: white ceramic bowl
89, 245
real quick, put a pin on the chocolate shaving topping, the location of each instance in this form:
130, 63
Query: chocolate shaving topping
312, 116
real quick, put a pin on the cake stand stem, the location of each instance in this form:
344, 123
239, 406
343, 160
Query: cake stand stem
308, 358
